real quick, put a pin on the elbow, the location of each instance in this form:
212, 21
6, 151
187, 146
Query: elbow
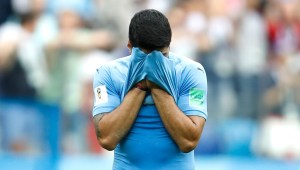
188, 146
107, 144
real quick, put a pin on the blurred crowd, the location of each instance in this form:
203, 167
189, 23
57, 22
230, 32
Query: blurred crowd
250, 50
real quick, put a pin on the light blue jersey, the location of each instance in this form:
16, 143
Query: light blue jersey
148, 145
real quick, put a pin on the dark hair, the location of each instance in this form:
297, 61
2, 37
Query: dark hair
27, 17
150, 29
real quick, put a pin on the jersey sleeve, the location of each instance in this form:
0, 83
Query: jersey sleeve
193, 91
106, 97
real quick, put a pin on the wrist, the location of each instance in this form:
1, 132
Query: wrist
141, 87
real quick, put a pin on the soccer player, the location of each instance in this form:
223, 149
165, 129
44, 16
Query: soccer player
150, 107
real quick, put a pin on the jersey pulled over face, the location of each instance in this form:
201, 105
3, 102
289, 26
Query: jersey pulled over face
148, 145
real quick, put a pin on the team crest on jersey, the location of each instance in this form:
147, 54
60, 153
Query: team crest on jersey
100, 95
196, 97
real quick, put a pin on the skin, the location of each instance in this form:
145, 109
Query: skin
184, 130
112, 127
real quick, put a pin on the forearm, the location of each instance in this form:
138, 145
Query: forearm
6, 56
89, 41
113, 126
184, 131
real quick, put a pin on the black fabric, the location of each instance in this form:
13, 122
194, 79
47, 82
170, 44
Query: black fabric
13, 83
5, 10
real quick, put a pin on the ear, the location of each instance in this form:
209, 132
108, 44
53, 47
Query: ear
129, 46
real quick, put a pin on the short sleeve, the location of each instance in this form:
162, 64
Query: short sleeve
193, 91
106, 98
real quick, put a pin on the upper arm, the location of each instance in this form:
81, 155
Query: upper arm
106, 97
193, 92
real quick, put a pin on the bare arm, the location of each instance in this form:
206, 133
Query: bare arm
7, 57
83, 41
185, 130
112, 127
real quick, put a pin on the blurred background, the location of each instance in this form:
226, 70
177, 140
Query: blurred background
49, 51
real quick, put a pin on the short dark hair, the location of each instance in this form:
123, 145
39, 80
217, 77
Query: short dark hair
150, 29
27, 17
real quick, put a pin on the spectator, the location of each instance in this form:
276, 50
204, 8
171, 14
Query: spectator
284, 39
217, 57
22, 62
251, 46
66, 53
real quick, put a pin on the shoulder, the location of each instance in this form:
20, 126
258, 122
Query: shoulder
186, 64
114, 66
112, 74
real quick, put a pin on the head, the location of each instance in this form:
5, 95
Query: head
28, 21
69, 19
150, 30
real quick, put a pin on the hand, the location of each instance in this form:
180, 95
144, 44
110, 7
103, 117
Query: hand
151, 85
144, 84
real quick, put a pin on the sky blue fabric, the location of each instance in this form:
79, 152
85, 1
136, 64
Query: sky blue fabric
160, 70
148, 144
136, 70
